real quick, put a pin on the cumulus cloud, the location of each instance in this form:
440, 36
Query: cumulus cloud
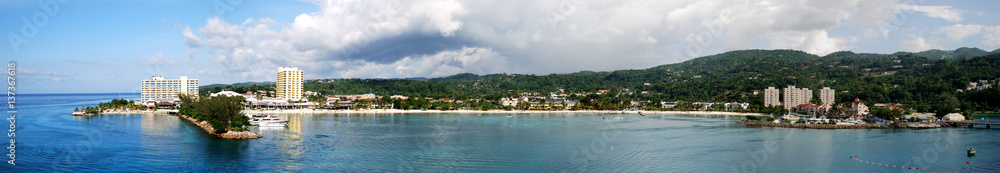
465, 60
916, 44
959, 31
991, 36
382, 38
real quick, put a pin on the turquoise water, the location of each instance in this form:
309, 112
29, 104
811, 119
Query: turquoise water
50, 140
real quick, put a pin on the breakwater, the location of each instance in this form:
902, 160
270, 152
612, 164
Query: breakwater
235, 135
836, 126
815, 126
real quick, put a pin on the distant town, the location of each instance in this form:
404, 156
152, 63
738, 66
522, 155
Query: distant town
705, 85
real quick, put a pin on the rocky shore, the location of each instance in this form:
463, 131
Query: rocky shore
234, 135
813, 126
399, 111
831, 126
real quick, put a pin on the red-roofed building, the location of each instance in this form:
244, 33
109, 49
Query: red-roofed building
859, 107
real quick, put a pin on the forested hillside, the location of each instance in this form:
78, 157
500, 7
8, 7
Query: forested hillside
924, 80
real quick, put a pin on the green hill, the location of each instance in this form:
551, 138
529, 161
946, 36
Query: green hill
922, 79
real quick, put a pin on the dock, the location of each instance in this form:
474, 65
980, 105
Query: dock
972, 124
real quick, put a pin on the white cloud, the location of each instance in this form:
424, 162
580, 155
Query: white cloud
917, 44
817, 42
468, 60
959, 31
383, 38
991, 36
943, 12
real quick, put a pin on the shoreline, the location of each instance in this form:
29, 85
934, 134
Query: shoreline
231, 135
400, 111
835, 126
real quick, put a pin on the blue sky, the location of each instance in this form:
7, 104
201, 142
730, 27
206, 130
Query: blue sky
109, 45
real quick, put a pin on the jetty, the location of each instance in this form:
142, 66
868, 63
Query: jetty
841, 126
972, 124
813, 126
235, 135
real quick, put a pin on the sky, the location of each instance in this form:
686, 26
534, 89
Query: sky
108, 46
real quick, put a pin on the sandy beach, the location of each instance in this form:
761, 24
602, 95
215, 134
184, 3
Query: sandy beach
399, 111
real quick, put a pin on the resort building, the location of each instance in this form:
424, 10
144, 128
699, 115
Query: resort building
796, 96
826, 95
159, 90
289, 83
859, 107
771, 97
226, 93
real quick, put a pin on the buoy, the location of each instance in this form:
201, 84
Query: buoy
968, 163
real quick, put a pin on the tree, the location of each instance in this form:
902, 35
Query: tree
886, 113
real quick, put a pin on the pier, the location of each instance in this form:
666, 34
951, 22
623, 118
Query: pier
972, 124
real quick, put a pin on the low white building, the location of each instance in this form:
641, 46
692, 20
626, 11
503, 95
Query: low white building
226, 93
953, 117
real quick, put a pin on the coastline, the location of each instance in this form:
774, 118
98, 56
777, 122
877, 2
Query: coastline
835, 126
400, 111
233, 135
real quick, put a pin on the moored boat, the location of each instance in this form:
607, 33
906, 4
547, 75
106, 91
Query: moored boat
267, 121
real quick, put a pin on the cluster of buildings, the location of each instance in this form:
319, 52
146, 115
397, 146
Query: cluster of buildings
980, 85
163, 92
798, 100
549, 103
160, 92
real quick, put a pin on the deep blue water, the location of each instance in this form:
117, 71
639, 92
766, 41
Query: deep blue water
50, 140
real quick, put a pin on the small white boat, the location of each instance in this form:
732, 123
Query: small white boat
267, 121
273, 123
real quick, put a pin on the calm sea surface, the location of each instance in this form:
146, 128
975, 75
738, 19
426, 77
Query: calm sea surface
48, 139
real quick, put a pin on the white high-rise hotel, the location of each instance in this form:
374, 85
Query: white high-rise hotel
771, 97
159, 89
793, 97
826, 95
289, 83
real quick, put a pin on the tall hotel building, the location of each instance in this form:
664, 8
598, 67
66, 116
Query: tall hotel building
826, 95
771, 97
795, 96
159, 89
289, 83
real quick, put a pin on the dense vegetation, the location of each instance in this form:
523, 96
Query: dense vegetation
927, 81
222, 112
115, 104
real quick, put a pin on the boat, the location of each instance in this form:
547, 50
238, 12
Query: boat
971, 152
267, 121
273, 124
640, 113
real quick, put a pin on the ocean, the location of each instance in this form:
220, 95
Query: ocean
48, 139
